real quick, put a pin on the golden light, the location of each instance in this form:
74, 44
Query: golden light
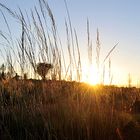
90, 75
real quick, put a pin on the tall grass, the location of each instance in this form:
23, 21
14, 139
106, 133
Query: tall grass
63, 110
40, 42
56, 109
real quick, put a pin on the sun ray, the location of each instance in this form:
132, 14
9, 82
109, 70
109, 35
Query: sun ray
90, 75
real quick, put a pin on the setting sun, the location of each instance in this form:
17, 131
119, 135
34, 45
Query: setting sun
90, 75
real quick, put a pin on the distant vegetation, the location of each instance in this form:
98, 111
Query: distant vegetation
43, 68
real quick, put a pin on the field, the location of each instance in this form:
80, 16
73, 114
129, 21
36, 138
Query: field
60, 110
45, 69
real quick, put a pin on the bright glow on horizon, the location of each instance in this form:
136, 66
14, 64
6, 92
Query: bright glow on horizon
90, 75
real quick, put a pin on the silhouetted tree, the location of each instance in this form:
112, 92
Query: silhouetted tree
43, 68
2, 72
16, 77
25, 76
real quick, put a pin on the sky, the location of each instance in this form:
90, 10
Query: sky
117, 21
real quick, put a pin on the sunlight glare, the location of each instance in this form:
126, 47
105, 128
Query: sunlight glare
90, 75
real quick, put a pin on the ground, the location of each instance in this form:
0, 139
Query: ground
34, 109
